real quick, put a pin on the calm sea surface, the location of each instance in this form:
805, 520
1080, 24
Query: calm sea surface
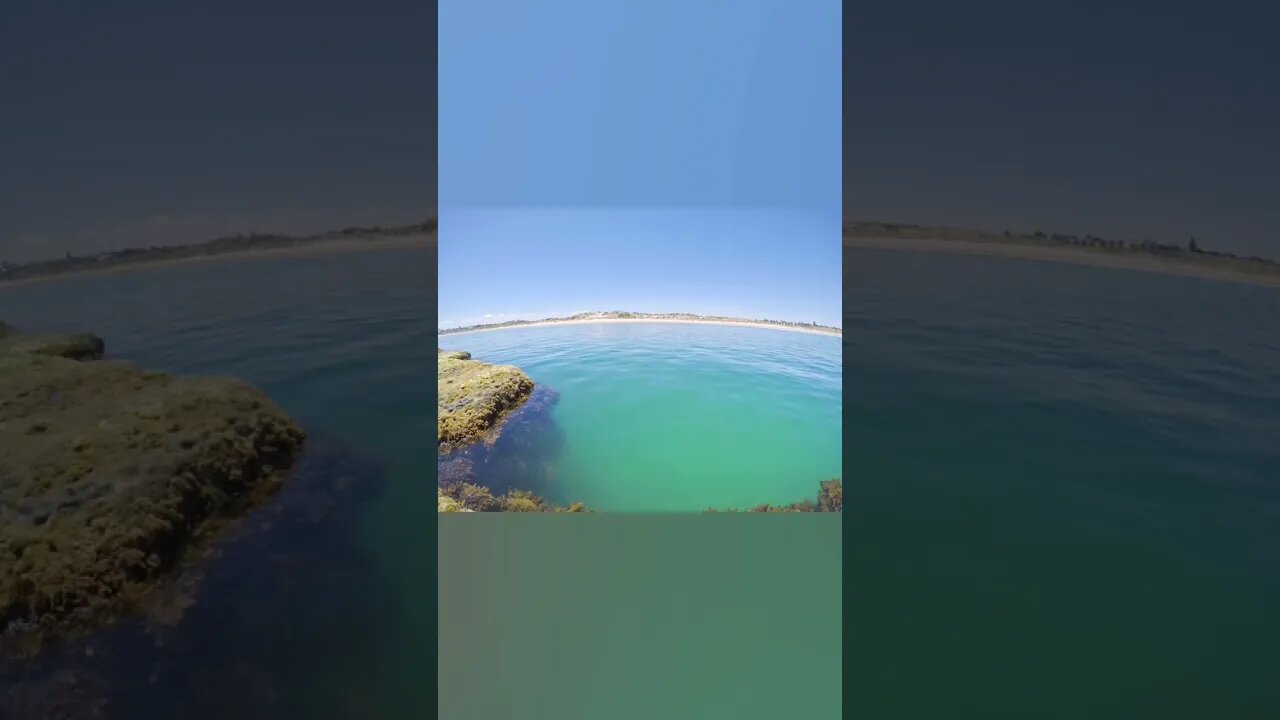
1063, 491
325, 606
645, 417
1064, 482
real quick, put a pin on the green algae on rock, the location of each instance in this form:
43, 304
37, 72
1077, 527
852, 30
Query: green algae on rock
74, 347
112, 475
469, 497
457, 491
474, 398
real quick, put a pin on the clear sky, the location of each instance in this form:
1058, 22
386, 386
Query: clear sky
583, 143
1132, 120
523, 264
654, 103
151, 122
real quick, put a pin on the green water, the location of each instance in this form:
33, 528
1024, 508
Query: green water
326, 609
1065, 492
666, 417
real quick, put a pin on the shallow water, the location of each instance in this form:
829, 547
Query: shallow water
661, 417
321, 606
1067, 490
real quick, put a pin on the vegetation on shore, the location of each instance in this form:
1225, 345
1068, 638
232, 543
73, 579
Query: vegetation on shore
625, 315
219, 246
1193, 253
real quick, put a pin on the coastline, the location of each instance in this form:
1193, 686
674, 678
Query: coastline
1065, 255
549, 323
319, 247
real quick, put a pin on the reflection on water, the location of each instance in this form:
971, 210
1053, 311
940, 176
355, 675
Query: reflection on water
242, 634
525, 455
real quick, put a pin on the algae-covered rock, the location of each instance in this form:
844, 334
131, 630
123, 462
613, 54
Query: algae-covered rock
444, 503
469, 497
111, 474
474, 398
75, 347
830, 499
453, 354
458, 492
831, 496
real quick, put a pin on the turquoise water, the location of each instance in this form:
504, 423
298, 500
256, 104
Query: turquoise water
654, 417
326, 606
1064, 491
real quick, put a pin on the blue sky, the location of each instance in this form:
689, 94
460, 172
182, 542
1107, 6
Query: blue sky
152, 122
646, 156
568, 103
1141, 119
506, 264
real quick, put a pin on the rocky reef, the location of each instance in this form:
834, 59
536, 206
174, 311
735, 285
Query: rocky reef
72, 347
206, 642
112, 476
474, 398
458, 492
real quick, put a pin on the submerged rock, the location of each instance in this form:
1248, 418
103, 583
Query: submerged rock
457, 491
444, 503
474, 398
830, 499
207, 644
469, 497
111, 474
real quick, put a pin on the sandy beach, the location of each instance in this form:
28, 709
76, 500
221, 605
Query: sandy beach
314, 248
548, 323
1069, 255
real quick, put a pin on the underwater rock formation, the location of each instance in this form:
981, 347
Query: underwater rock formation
111, 474
206, 642
458, 492
474, 398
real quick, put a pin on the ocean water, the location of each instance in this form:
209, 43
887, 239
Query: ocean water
1063, 496
664, 417
322, 605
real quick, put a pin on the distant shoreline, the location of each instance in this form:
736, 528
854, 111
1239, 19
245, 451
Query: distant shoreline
1179, 266
832, 332
315, 247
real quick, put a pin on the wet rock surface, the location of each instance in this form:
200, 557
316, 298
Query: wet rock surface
474, 398
111, 476
73, 347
